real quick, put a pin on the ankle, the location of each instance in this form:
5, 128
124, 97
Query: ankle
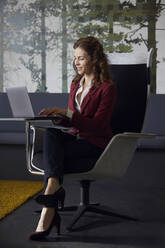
51, 189
52, 186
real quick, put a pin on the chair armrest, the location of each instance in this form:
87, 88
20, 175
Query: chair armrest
38, 123
47, 118
139, 135
54, 126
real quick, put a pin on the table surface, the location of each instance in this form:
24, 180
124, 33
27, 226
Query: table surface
11, 119
24, 119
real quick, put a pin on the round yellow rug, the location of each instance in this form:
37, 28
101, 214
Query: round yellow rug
15, 193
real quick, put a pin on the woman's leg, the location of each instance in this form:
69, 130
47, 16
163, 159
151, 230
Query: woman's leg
63, 153
46, 217
53, 155
80, 156
52, 185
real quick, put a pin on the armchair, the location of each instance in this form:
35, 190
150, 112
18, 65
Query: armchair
112, 164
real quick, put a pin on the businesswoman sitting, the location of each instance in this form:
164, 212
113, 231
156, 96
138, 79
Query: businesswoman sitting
91, 102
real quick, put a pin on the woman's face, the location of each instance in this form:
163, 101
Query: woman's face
82, 61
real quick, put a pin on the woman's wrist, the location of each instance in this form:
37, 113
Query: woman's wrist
69, 113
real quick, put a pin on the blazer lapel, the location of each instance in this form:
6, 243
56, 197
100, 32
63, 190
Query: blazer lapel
87, 98
73, 93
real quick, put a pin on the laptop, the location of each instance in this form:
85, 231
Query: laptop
21, 105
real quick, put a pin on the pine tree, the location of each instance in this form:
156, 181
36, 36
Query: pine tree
6, 13
146, 14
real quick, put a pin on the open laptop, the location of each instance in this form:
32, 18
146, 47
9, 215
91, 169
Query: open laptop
21, 105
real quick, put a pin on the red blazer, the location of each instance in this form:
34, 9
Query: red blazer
93, 122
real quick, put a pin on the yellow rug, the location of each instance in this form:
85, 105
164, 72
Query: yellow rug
15, 193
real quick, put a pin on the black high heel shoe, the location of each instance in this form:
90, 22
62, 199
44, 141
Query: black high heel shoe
56, 221
52, 199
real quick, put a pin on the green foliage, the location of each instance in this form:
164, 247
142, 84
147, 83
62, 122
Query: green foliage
123, 48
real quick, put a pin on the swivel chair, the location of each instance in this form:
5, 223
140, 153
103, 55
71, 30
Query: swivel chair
112, 164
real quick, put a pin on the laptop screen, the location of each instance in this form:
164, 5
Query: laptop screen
20, 102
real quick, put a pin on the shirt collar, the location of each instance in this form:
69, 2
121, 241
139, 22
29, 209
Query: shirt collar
81, 81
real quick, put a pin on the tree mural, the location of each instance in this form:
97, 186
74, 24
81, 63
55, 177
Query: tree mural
7, 30
145, 14
119, 24
104, 15
2, 4
37, 35
98, 18
42, 39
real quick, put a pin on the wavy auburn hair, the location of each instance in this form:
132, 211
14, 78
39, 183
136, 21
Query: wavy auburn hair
100, 65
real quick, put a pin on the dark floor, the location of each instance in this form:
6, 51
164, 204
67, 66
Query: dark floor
93, 230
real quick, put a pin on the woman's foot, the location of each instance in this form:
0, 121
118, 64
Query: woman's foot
54, 194
49, 200
46, 218
49, 218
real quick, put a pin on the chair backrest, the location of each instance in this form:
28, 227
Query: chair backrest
154, 122
155, 115
131, 74
129, 111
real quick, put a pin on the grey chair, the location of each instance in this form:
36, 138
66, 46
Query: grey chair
112, 164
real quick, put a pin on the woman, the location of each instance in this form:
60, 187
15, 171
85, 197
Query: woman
91, 102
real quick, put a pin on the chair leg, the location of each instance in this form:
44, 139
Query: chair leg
84, 202
84, 197
81, 210
102, 210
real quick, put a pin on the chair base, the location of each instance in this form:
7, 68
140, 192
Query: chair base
94, 209
85, 206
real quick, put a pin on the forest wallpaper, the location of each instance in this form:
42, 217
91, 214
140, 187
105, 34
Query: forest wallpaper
37, 36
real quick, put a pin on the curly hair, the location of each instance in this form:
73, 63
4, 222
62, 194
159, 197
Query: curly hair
100, 65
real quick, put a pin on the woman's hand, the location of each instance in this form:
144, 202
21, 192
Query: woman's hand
53, 111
